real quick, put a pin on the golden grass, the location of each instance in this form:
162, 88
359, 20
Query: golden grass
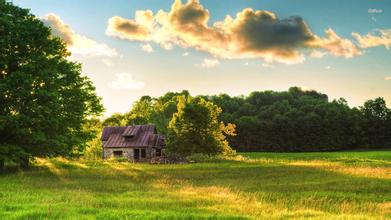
233, 188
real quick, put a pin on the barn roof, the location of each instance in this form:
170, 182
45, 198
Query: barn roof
132, 136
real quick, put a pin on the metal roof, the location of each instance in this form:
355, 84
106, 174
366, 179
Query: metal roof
132, 136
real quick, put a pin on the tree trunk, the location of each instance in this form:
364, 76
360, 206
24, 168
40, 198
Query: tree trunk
2, 165
24, 162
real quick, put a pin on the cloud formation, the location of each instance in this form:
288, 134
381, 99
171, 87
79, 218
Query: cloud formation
338, 46
209, 63
125, 81
76, 43
381, 38
387, 78
250, 34
137, 29
147, 48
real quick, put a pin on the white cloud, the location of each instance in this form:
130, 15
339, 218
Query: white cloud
107, 62
185, 54
317, 54
125, 81
387, 78
328, 67
76, 43
147, 48
209, 63
381, 37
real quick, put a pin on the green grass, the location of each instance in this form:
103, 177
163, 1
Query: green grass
340, 185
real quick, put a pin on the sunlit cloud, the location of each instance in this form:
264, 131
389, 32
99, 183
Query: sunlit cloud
337, 45
317, 54
107, 62
125, 81
138, 29
76, 43
209, 63
250, 34
147, 48
185, 54
379, 38
387, 78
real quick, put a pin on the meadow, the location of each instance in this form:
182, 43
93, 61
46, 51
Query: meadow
335, 185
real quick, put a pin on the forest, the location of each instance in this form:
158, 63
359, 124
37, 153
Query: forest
293, 120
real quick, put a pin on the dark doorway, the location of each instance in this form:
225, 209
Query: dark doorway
118, 153
136, 154
158, 152
143, 154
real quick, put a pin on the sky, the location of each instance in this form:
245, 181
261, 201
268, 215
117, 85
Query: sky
149, 47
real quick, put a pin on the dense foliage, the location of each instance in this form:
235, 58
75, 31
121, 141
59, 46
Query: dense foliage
298, 120
293, 120
195, 128
44, 100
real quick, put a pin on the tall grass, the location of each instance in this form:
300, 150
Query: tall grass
349, 185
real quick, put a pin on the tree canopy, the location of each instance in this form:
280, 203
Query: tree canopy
44, 99
293, 120
195, 128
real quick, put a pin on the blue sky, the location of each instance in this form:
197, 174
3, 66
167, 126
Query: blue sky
121, 77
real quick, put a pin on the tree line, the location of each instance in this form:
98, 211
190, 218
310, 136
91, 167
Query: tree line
293, 120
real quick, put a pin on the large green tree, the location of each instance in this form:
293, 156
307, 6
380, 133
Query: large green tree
195, 128
44, 100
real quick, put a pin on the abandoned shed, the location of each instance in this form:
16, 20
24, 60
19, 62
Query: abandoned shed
135, 142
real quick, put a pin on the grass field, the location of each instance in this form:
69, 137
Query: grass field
341, 185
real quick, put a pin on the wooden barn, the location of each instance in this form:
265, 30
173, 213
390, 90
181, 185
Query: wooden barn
135, 142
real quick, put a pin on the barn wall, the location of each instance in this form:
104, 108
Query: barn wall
127, 152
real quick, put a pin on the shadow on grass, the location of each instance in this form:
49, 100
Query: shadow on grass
279, 187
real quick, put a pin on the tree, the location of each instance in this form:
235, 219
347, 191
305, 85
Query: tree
141, 112
116, 119
93, 149
195, 128
44, 100
376, 123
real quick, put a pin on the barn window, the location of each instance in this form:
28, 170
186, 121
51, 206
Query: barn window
118, 153
143, 155
158, 152
136, 154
